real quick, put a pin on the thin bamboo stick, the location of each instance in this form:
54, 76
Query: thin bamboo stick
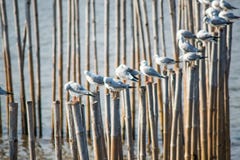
1, 118
78, 46
123, 31
80, 131
30, 62
73, 41
115, 128
38, 65
21, 66
188, 113
108, 124
31, 137
72, 136
203, 107
175, 119
87, 53
54, 52
142, 125
117, 32
166, 138
13, 138
155, 110
128, 120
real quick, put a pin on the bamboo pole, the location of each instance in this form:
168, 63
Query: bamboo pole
123, 31
147, 33
87, 53
152, 121
7, 56
73, 36
128, 120
142, 125
72, 136
115, 128
0, 117
133, 61
54, 52
203, 107
172, 11
188, 113
78, 44
24, 41
38, 65
117, 32
179, 15
212, 100
80, 131
13, 138
31, 137
195, 114
162, 29
30, 62
175, 119
108, 124
155, 111
21, 71
166, 138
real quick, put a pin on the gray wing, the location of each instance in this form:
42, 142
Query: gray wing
151, 72
98, 79
3, 92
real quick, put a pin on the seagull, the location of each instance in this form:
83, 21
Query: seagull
216, 21
203, 35
186, 46
215, 4
126, 73
148, 70
76, 90
186, 34
93, 78
4, 92
228, 16
211, 12
226, 5
115, 85
191, 56
164, 60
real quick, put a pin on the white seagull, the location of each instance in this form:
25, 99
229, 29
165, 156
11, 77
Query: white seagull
211, 12
93, 78
186, 34
216, 21
203, 35
76, 90
226, 5
163, 60
126, 73
115, 85
228, 16
4, 92
191, 56
148, 70
186, 46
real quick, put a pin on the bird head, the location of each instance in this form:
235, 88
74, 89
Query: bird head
143, 63
67, 86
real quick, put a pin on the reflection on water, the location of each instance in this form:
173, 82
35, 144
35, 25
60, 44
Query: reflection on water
44, 147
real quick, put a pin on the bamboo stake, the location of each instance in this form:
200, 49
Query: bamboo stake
173, 30
72, 136
21, 72
87, 53
115, 128
38, 65
78, 46
203, 107
97, 133
117, 31
188, 113
146, 29
165, 121
13, 138
123, 31
54, 52
31, 137
30, 63
0, 117
108, 124
179, 15
80, 131
155, 110
195, 114
128, 120
175, 119
162, 29
133, 107
24, 41
73, 36
7, 56
142, 125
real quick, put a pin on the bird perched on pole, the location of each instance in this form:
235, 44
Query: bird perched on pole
203, 35
164, 60
76, 90
4, 92
126, 73
115, 85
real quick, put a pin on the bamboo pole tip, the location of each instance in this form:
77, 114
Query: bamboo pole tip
56, 102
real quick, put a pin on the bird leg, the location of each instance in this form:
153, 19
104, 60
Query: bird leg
149, 80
